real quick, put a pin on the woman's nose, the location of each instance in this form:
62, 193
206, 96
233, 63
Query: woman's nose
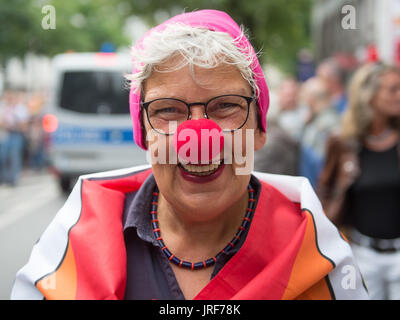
198, 141
197, 112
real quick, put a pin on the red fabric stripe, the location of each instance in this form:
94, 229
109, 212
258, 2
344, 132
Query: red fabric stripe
262, 272
98, 237
125, 184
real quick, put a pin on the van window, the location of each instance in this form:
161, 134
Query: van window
98, 92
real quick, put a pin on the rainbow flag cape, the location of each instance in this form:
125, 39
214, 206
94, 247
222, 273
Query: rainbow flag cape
292, 250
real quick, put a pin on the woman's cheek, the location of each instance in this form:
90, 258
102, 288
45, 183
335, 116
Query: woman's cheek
160, 150
239, 151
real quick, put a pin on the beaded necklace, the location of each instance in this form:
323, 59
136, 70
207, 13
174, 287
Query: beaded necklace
205, 263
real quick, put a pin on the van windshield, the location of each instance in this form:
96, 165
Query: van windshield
98, 92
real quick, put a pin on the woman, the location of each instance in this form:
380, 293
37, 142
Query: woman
360, 183
199, 225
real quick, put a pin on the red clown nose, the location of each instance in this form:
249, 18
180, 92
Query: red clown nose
198, 141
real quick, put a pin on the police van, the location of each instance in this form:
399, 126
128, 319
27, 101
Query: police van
88, 117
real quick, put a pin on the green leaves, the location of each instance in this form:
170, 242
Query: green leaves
277, 27
80, 26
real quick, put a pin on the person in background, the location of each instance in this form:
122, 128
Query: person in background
280, 154
360, 184
36, 148
36, 136
323, 119
292, 115
3, 139
15, 120
334, 77
305, 65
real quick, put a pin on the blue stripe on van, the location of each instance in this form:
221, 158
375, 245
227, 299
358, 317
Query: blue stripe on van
78, 135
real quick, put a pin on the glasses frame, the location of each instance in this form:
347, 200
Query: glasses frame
145, 106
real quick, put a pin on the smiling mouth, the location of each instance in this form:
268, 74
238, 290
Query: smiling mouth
201, 170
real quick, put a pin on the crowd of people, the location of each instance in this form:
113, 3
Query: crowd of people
344, 137
308, 113
22, 142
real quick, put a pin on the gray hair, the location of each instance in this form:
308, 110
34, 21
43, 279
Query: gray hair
197, 46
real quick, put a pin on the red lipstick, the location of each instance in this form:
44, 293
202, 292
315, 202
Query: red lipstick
201, 179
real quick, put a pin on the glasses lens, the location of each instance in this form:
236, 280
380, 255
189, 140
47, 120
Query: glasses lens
229, 112
165, 114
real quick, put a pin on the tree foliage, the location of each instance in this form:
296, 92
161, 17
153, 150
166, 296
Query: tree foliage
279, 28
81, 25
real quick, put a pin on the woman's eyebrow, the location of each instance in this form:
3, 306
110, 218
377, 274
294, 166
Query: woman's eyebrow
239, 91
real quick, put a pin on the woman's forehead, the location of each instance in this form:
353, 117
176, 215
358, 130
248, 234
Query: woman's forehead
223, 79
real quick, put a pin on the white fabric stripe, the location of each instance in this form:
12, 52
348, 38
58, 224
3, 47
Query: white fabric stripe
116, 173
49, 251
330, 243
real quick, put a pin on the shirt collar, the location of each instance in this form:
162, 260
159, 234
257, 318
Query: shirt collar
137, 209
138, 204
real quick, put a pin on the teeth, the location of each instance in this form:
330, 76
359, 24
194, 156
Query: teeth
201, 169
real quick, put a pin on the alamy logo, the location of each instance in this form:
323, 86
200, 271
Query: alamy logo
349, 18
49, 20
349, 278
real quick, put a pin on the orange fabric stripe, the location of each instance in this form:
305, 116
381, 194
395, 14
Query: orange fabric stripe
61, 284
319, 291
309, 267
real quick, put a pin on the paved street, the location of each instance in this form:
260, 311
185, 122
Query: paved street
25, 211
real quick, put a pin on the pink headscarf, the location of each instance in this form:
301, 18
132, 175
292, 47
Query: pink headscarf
216, 21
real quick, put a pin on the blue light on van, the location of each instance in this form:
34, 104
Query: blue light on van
78, 135
107, 47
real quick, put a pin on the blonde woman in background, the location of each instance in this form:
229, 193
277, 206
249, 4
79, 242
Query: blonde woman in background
360, 183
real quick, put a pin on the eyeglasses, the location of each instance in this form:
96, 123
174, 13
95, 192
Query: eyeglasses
229, 111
